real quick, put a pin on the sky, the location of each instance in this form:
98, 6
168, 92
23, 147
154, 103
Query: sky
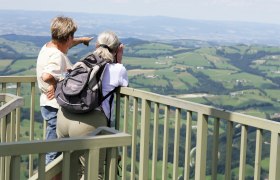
264, 11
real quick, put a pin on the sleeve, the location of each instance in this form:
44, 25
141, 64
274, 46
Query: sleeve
54, 66
123, 77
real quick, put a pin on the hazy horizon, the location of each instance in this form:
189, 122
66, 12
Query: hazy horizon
260, 11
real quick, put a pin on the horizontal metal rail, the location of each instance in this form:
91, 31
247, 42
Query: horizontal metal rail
9, 103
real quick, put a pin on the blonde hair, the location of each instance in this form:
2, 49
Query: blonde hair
107, 45
62, 28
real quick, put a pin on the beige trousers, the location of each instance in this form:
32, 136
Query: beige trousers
75, 125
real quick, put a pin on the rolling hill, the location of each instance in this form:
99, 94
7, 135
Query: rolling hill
237, 77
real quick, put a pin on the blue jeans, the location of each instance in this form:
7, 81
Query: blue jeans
50, 115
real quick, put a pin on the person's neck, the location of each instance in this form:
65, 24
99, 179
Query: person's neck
60, 46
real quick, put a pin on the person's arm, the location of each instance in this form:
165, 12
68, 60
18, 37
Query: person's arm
50, 80
84, 40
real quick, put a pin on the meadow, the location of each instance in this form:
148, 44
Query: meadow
240, 78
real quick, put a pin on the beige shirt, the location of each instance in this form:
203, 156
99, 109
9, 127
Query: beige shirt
52, 61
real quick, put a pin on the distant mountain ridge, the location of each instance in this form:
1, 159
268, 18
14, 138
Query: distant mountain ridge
37, 23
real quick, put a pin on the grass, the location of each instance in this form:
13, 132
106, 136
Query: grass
4, 63
229, 79
24, 64
192, 59
26, 48
147, 63
24, 130
249, 171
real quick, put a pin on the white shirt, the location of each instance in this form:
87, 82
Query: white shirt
53, 61
114, 75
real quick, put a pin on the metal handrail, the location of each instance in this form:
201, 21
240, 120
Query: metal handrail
103, 137
10, 103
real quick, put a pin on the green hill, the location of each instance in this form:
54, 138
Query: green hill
237, 77
233, 77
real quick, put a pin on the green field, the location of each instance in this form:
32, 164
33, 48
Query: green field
4, 63
173, 70
238, 78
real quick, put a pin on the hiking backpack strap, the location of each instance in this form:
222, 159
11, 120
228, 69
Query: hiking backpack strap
111, 93
91, 60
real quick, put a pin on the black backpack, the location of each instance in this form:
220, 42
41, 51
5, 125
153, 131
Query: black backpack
81, 90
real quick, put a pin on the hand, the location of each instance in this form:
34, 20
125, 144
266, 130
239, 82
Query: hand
86, 40
50, 92
120, 53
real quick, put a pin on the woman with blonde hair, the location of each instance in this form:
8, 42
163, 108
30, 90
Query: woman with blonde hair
109, 48
52, 63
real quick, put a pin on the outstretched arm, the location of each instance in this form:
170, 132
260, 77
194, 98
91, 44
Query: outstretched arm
84, 40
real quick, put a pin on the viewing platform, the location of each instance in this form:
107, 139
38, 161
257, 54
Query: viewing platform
157, 137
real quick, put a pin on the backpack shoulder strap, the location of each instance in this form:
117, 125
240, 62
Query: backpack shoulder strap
110, 93
110, 103
91, 60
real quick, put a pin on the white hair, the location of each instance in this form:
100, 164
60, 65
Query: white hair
107, 45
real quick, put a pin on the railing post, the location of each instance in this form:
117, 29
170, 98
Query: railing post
165, 142
229, 150
125, 129
92, 164
176, 143
31, 128
274, 162
18, 114
243, 154
134, 138
111, 161
155, 141
75, 166
188, 145
15, 168
215, 151
42, 166
3, 139
201, 147
258, 154
8, 139
144, 142
66, 165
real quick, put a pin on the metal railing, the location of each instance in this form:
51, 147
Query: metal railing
24, 86
71, 149
177, 139
188, 119
9, 126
